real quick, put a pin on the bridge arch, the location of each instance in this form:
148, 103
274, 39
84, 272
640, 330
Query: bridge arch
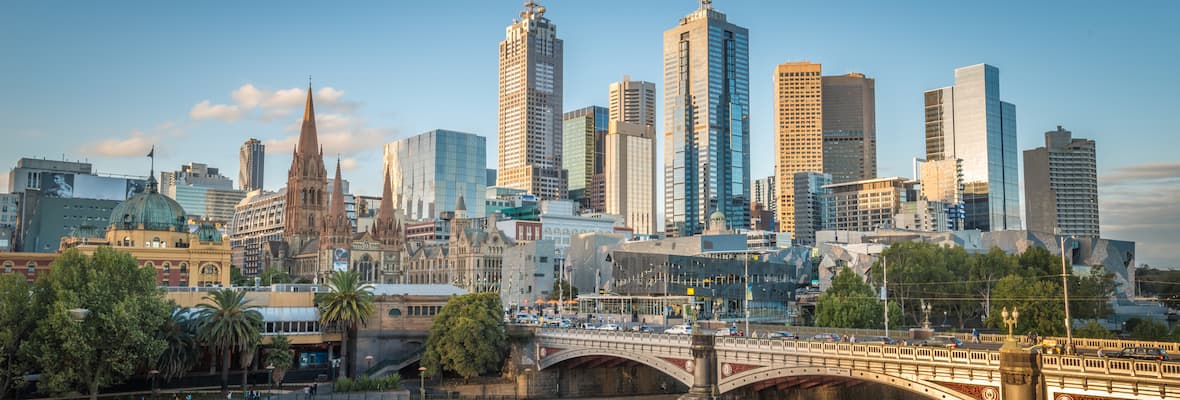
672, 370
925, 388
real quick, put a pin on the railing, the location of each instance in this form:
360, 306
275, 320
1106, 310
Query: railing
1081, 343
625, 336
1083, 365
983, 358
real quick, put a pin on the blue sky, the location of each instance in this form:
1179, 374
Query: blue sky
103, 81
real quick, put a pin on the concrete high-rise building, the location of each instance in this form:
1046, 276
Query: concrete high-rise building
849, 127
941, 181
202, 191
583, 135
764, 201
252, 158
530, 106
813, 205
257, 225
764, 193
630, 175
633, 102
1061, 185
429, 172
706, 122
798, 131
869, 204
968, 121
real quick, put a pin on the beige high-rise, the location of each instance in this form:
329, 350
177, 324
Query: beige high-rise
633, 101
630, 165
530, 106
798, 131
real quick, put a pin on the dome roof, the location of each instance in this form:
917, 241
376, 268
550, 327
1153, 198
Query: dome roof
208, 233
717, 216
156, 212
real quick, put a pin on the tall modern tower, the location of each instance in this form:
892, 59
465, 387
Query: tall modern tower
530, 106
583, 136
630, 167
429, 172
969, 122
850, 127
1061, 185
252, 157
706, 122
633, 102
798, 132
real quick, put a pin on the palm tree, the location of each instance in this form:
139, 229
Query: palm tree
180, 355
228, 322
348, 303
246, 358
279, 356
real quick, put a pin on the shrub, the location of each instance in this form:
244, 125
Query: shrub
366, 384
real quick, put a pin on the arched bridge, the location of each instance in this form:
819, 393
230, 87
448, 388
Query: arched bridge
714, 366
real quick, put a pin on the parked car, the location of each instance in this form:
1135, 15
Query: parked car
608, 327
941, 341
1138, 353
826, 337
783, 335
726, 332
642, 329
875, 339
679, 330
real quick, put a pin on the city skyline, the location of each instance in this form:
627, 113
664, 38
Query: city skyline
108, 101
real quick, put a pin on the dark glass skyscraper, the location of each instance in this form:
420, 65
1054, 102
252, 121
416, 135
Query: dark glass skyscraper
706, 115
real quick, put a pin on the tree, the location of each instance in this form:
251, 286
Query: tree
99, 318
1038, 301
228, 322
348, 303
237, 278
1090, 295
563, 288
246, 358
180, 334
1150, 330
280, 356
1093, 330
16, 326
850, 303
271, 276
467, 336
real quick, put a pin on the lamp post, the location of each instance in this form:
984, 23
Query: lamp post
885, 290
748, 293
153, 373
270, 371
422, 381
1010, 320
369, 362
1065, 294
926, 311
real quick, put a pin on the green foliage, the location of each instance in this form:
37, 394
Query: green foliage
1089, 296
850, 303
1093, 330
1150, 330
467, 337
348, 303
563, 288
1038, 301
271, 276
279, 355
1163, 284
16, 326
117, 337
228, 322
181, 353
366, 384
237, 278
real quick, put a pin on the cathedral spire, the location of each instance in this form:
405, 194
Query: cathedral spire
336, 207
307, 134
386, 209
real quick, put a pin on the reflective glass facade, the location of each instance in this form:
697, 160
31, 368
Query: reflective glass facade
706, 115
430, 171
583, 132
969, 122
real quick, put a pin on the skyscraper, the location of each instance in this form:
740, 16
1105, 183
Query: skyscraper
813, 206
583, 134
849, 127
633, 101
530, 106
202, 191
968, 121
798, 132
1061, 185
252, 157
706, 122
630, 167
428, 173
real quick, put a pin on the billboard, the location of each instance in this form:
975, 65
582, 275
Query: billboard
100, 187
135, 186
55, 184
340, 259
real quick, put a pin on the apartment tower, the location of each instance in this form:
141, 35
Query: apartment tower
530, 106
849, 127
798, 132
252, 158
630, 165
706, 122
1061, 185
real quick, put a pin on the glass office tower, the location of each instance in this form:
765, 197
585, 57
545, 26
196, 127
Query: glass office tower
968, 121
431, 170
706, 115
583, 131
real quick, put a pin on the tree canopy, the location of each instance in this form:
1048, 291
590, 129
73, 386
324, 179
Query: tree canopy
467, 337
227, 323
850, 303
16, 326
349, 302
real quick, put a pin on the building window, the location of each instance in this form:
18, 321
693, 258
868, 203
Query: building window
32, 267
167, 267
183, 267
149, 265
8, 267
395, 312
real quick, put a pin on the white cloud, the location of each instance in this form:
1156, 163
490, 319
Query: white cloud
248, 96
338, 134
348, 164
1138, 203
136, 144
224, 112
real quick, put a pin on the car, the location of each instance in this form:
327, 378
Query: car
725, 332
1138, 353
642, 329
941, 341
826, 337
875, 339
608, 327
783, 335
679, 330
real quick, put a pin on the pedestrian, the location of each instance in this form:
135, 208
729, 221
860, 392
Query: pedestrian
315, 389
307, 392
974, 335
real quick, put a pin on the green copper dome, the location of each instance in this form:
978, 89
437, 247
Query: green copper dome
155, 211
208, 233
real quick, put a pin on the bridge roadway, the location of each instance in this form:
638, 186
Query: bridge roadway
736, 363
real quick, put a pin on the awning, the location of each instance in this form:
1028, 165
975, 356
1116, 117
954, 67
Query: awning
285, 314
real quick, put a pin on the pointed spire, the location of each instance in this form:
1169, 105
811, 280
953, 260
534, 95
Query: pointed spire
336, 207
386, 209
307, 134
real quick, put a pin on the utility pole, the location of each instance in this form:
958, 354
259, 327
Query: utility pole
748, 293
885, 290
1065, 292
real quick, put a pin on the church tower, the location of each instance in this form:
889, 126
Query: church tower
386, 228
337, 230
307, 183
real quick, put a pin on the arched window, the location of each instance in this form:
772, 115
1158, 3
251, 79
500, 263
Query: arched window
395, 312
167, 267
126, 241
156, 242
32, 267
183, 267
8, 267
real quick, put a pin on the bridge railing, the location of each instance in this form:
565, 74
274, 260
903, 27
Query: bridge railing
988, 358
623, 336
1084, 365
1082, 343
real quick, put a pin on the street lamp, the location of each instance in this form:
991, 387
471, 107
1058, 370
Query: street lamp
1010, 320
270, 372
422, 381
926, 311
369, 362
